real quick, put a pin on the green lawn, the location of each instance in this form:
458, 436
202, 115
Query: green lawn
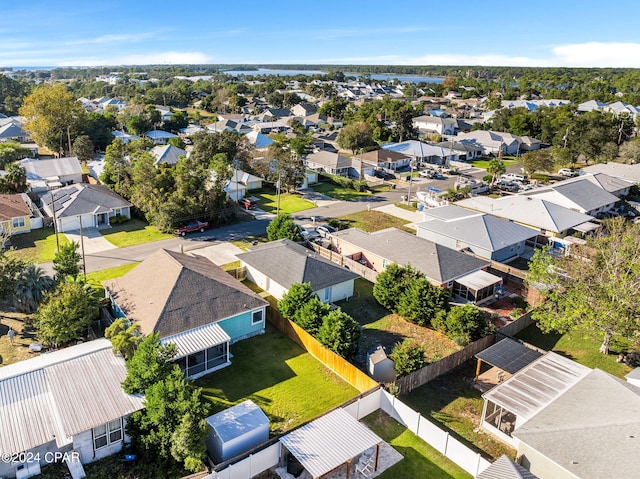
582, 347
372, 221
382, 327
484, 164
134, 232
452, 401
346, 194
25, 335
247, 242
38, 246
283, 379
420, 459
289, 202
96, 278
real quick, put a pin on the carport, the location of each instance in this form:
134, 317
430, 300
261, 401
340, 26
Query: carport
506, 357
331, 441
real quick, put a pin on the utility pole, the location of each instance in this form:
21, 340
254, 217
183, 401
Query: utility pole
84, 263
69, 138
278, 186
55, 221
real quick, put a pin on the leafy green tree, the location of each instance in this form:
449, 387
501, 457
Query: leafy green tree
172, 424
177, 142
99, 128
10, 268
596, 289
340, 333
283, 226
66, 262
30, 288
311, 315
629, 150
51, 114
65, 313
14, 180
356, 137
150, 364
83, 148
496, 168
11, 151
334, 108
117, 171
178, 120
124, 336
391, 283
538, 160
408, 357
562, 156
294, 299
403, 129
465, 324
207, 145
421, 301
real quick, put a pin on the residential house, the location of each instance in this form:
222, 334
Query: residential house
616, 186
435, 124
381, 159
84, 206
13, 132
591, 105
249, 181
463, 274
277, 265
621, 108
422, 152
492, 142
580, 195
273, 114
159, 137
329, 162
258, 140
532, 105
528, 143
15, 214
64, 401
630, 173
167, 154
189, 302
44, 174
505, 468
547, 218
483, 234
124, 137
464, 151
303, 109
266, 127
566, 421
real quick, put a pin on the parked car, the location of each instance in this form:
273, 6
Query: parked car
567, 172
325, 230
514, 177
384, 175
509, 186
446, 170
247, 203
192, 226
427, 174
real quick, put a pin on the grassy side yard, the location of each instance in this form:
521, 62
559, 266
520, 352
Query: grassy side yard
134, 232
96, 278
372, 221
288, 384
582, 347
484, 164
382, 327
289, 202
452, 401
420, 459
248, 241
38, 246
339, 192
25, 335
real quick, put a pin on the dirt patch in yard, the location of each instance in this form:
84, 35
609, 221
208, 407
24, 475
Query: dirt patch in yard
25, 335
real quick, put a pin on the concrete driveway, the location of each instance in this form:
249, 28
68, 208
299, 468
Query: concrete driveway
219, 254
91, 239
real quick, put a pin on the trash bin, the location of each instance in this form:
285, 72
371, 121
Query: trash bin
420, 207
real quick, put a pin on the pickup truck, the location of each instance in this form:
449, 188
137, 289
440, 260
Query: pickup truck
192, 226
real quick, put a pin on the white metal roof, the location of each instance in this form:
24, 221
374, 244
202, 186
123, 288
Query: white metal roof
478, 280
237, 420
60, 394
329, 441
537, 385
197, 339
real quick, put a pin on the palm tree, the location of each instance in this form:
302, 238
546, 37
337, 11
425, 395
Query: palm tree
496, 167
31, 286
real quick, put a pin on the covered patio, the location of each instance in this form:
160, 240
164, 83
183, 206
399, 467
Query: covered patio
476, 287
335, 446
506, 358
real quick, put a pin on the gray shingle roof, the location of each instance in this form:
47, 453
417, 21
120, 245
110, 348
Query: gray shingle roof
439, 263
83, 198
287, 262
41, 169
171, 292
592, 430
167, 154
483, 230
505, 468
581, 192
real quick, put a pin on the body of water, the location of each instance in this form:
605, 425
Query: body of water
405, 78
269, 71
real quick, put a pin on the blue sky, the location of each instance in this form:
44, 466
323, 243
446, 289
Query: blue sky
491, 32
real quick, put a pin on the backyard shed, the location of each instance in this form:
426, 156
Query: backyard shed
236, 430
380, 366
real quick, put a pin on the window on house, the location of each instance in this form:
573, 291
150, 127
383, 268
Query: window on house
18, 222
327, 294
107, 434
196, 363
256, 317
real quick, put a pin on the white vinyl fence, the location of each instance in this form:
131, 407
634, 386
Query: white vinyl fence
470, 461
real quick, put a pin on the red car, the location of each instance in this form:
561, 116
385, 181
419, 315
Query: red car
192, 226
247, 203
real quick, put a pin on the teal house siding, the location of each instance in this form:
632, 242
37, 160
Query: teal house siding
244, 325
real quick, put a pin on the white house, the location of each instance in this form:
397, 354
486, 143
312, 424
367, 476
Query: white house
435, 124
42, 174
64, 401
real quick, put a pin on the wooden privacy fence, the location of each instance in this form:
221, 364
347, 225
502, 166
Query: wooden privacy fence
336, 363
352, 265
238, 273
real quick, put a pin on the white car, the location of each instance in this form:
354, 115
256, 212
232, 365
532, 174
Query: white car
514, 177
567, 172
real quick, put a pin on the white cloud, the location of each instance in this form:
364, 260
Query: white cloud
160, 58
129, 38
599, 54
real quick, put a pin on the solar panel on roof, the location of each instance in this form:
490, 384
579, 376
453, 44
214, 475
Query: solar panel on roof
508, 355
